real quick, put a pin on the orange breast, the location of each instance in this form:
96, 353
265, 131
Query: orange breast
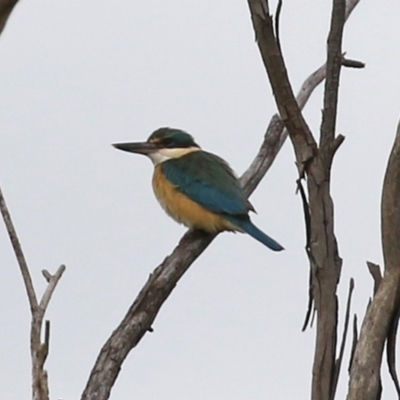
184, 210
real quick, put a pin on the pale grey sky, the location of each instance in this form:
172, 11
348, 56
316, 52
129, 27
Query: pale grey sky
76, 76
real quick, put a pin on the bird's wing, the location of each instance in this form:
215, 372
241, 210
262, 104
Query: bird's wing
208, 180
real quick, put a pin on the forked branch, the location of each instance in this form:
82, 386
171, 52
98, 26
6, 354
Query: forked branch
314, 163
39, 351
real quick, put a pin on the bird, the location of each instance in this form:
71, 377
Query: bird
196, 188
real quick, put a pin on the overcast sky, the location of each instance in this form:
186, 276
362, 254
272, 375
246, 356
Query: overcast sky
76, 76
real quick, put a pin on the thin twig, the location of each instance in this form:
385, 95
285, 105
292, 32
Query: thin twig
23, 266
52, 283
39, 351
352, 63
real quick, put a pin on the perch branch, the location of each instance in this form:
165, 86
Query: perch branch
162, 281
143, 312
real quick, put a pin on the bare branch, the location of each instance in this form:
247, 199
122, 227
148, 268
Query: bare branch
275, 138
334, 62
352, 63
390, 209
391, 237
276, 135
142, 313
322, 249
289, 111
52, 283
23, 266
382, 313
47, 275
39, 351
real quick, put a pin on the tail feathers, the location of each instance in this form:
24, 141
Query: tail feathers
247, 226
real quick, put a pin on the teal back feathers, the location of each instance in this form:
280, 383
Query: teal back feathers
208, 180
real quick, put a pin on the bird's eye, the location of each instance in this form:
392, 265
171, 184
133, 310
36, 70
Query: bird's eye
167, 141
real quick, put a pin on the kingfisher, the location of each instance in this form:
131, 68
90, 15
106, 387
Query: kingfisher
196, 188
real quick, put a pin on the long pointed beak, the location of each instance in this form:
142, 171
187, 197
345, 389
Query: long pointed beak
139, 148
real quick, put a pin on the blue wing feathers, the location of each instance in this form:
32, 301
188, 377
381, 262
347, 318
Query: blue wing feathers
256, 233
208, 180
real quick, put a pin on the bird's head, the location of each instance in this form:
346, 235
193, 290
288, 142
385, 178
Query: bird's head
162, 145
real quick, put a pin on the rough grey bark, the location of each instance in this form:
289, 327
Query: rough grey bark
381, 319
314, 163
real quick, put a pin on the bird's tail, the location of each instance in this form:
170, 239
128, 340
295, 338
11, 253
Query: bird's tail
247, 226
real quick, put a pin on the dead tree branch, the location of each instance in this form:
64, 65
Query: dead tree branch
19, 254
315, 163
334, 63
39, 351
382, 315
